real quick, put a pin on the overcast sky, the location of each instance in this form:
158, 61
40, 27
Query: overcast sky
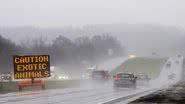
58, 13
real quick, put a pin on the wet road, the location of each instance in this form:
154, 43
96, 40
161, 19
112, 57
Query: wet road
68, 96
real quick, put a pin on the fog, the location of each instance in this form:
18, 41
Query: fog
57, 13
138, 39
137, 23
85, 35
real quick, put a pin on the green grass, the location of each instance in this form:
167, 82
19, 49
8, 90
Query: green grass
8, 87
150, 66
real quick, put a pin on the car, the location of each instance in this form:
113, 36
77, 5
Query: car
172, 76
100, 75
6, 76
168, 64
179, 56
142, 79
177, 62
124, 80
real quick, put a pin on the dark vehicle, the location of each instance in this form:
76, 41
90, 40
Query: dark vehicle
168, 64
179, 56
172, 76
124, 80
142, 79
177, 62
100, 75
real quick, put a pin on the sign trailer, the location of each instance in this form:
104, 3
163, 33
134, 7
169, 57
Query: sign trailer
31, 67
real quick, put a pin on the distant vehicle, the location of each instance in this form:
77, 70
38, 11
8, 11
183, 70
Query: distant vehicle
58, 76
87, 74
6, 76
177, 62
100, 75
179, 56
125, 80
142, 79
168, 64
172, 76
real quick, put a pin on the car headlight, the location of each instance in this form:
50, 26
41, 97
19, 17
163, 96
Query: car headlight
60, 77
132, 56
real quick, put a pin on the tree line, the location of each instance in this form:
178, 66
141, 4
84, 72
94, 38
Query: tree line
62, 50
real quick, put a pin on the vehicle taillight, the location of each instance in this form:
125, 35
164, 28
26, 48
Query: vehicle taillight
117, 78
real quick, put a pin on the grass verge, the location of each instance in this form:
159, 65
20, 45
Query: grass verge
149, 66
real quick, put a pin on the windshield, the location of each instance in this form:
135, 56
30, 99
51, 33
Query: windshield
124, 75
92, 51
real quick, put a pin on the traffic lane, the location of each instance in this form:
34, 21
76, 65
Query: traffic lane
29, 95
89, 97
92, 93
68, 96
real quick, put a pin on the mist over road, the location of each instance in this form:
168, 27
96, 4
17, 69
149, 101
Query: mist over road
93, 94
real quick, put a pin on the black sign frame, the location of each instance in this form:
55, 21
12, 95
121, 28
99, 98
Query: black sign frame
31, 66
